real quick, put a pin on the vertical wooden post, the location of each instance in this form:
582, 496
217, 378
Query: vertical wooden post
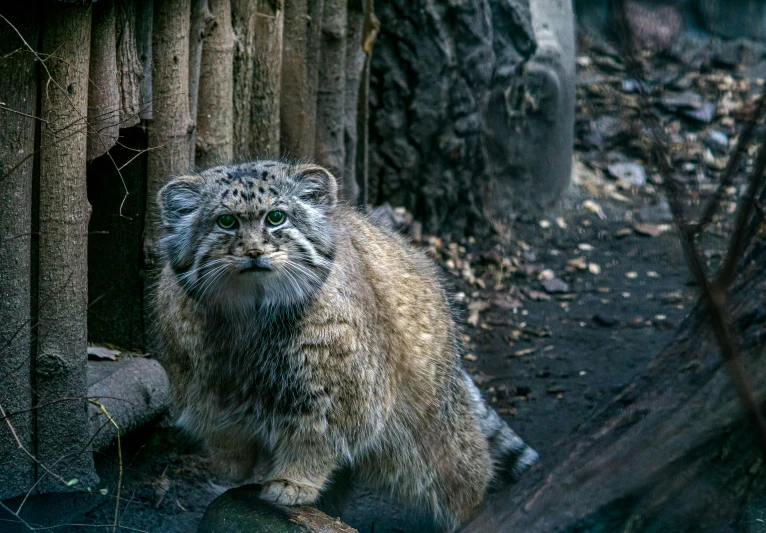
354, 65
201, 23
243, 15
63, 430
215, 114
313, 57
171, 128
369, 33
267, 80
18, 92
295, 97
128, 65
144, 23
103, 91
331, 94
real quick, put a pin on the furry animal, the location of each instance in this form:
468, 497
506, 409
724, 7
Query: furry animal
300, 336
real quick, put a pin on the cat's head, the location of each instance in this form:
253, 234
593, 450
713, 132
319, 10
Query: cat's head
254, 234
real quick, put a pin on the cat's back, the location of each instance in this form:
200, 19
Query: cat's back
412, 320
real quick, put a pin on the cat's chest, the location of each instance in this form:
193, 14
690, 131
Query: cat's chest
260, 367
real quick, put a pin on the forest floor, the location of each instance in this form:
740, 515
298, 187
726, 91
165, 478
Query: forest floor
559, 311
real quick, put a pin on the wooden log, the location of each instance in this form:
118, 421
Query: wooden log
369, 33
295, 97
18, 92
215, 114
144, 23
354, 66
267, 80
240, 510
201, 25
673, 451
62, 335
313, 56
243, 17
170, 131
103, 89
331, 93
129, 69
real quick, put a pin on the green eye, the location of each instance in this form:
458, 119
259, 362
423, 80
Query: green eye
275, 218
227, 221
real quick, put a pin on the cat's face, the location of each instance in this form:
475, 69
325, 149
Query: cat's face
249, 235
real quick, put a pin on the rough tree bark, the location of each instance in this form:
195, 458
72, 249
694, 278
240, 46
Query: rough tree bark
370, 28
354, 65
243, 16
103, 89
144, 23
331, 92
201, 25
170, 131
313, 57
674, 451
61, 363
129, 68
267, 80
18, 92
295, 96
215, 114
427, 125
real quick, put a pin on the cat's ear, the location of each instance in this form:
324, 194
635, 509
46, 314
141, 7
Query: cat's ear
179, 198
317, 185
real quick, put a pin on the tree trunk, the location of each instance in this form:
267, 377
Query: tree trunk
18, 90
243, 16
103, 89
144, 23
215, 115
170, 131
674, 450
427, 124
313, 57
370, 29
267, 80
331, 93
61, 364
128, 65
295, 96
354, 65
201, 25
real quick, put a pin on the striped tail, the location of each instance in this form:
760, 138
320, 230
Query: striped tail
510, 454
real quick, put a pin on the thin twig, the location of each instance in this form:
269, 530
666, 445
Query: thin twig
119, 457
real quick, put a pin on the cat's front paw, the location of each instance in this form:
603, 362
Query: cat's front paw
286, 492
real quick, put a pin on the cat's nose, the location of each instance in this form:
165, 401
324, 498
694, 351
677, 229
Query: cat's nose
255, 254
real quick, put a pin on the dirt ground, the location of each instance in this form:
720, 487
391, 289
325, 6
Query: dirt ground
559, 310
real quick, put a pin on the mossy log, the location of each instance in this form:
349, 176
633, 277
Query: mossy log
240, 510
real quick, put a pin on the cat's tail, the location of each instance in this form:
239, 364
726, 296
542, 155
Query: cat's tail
511, 455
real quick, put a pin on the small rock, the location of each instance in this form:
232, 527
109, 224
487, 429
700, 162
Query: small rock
705, 113
594, 269
546, 275
555, 286
632, 173
684, 100
717, 141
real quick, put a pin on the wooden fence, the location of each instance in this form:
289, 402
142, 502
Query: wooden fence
99, 105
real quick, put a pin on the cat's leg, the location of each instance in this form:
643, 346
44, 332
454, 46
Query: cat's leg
298, 471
